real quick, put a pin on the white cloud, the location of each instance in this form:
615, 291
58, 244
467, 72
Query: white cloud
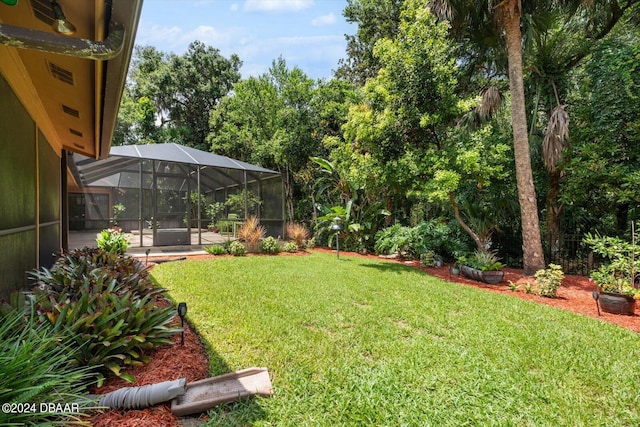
234, 7
277, 5
175, 39
323, 20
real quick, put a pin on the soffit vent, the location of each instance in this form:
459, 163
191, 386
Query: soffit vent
43, 11
75, 132
71, 111
61, 74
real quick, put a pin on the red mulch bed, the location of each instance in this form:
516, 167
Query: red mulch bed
190, 361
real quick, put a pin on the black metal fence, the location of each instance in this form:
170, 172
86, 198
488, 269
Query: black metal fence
566, 250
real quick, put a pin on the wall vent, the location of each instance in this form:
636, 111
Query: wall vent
60, 73
71, 111
43, 11
75, 132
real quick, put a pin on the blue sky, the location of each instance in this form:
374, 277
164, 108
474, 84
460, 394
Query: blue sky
308, 34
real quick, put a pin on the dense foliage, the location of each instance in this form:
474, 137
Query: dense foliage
106, 305
36, 368
419, 121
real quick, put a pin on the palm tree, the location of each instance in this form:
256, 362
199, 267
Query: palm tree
489, 28
491, 20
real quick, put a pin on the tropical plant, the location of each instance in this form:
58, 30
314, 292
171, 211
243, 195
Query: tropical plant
484, 261
106, 305
112, 240
299, 233
215, 250
118, 209
213, 211
236, 248
549, 280
290, 247
236, 202
269, 245
36, 368
251, 232
622, 272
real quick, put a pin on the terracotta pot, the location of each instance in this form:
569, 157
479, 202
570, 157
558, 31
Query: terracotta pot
617, 303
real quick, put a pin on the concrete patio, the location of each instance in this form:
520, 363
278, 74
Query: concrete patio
79, 239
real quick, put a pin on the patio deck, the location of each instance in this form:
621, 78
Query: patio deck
79, 239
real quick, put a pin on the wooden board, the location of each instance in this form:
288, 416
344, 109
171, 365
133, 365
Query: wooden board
205, 394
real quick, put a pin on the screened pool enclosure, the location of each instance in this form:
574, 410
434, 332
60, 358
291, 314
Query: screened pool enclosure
168, 194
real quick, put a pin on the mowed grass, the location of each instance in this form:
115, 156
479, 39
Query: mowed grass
360, 342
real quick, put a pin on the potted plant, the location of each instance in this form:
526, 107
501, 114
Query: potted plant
617, 281
213, 211
483, 266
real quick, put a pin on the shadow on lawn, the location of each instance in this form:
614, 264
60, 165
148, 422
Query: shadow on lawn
392, 267
243, 412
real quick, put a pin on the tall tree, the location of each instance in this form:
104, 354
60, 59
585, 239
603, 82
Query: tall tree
504, 18
376, 19
268, 120
175, 94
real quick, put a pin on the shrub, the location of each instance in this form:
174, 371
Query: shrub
427, 259
299, 233
216, 250
237, 249
35, 368
622, 272
251, 232
269, 245
112, 241
290, 247
549, 280
105, 304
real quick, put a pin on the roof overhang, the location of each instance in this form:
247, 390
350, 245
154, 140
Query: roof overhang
71, 86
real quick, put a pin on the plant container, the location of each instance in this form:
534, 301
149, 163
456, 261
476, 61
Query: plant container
617, 303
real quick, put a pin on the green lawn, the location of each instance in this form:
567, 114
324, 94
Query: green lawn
372, 343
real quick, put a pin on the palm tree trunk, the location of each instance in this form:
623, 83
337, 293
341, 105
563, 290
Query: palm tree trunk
533, 257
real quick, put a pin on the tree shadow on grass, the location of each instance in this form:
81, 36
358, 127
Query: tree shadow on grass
243, 412
392, 267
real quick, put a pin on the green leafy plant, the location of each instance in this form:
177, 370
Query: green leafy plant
106, 304
225, 226
621, 274
549, 280
290, 247
236, 248
213, 211
236, 202
112, 240
485, 261
269, 245
35, 368
427, 259
118, 209
216, 250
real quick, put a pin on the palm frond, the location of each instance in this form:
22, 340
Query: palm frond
441, 8
490, 103
555, 138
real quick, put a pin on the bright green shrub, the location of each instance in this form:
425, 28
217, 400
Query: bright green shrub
549, 280
112, 241
215, 250
269, 245
106, 304
237, 249
35, 368
290, 247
